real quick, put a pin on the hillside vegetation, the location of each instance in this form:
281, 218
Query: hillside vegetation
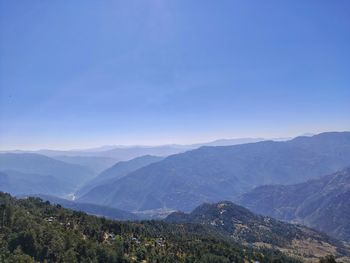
246, 227
35, 231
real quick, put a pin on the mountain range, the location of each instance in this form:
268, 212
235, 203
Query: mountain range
124, 153
34, 173
300, 181
323, 203
209, 174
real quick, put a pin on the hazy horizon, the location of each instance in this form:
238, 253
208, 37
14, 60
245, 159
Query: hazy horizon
112, 145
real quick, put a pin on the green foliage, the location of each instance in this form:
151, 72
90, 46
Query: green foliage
328, 259
209, 258
19, 257
245, 226
35, 231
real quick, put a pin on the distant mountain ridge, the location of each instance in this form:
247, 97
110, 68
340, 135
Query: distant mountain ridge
209, 174
65, 177
323, 203
124, 153
243, 226
15, 182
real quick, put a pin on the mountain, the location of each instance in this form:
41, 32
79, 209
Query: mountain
121, 153
66, 176
246, 227
91, 209
209, 174
19, 183
117, 171
227, 142
36, 231
320, 203
96, 164
124, 153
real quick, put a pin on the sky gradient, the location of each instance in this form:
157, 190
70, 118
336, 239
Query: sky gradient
77, 74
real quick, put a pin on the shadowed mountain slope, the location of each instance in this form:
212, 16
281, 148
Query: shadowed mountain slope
18, 183
117, 171
209, 174
66, 176
96, 164
323, 204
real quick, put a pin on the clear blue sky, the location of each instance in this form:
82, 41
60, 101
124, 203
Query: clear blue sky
86, 73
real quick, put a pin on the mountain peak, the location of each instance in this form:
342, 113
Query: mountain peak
242, 225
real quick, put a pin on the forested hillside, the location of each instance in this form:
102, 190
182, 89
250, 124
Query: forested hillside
243, 226
35, 231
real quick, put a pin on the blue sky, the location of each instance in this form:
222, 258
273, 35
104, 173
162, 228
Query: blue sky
86, 73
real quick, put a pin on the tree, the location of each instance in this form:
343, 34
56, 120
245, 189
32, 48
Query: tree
328, 259
70, 256
19, 257
210, 258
